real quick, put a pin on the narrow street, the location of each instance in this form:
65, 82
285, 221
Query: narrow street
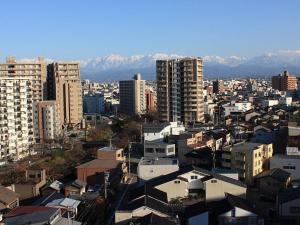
116, 204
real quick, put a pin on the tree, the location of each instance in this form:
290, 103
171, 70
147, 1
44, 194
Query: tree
100, 134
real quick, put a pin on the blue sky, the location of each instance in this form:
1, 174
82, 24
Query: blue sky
81, 29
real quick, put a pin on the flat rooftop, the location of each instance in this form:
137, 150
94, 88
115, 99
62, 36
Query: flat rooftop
109, 149
243, 146
158, 161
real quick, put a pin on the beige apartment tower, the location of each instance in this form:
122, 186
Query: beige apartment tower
180, 90
64, 86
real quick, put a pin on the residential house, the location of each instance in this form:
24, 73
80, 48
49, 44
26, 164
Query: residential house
109, 159
35, 179
289, 163
8, 199
149, 168
271, 182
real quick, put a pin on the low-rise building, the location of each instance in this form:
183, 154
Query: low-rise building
8, 199
289, 163
149, 168
158, 149
109, 159
271, 182
248, 158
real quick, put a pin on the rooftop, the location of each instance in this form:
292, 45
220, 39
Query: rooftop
109, 148
158, 161
100, 163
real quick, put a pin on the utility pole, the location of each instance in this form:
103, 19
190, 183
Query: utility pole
106, 177
129, 150
141, 129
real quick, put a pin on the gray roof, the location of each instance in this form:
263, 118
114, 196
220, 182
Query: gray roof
33, 218
154, 127
276, 173
7, 196
288, 195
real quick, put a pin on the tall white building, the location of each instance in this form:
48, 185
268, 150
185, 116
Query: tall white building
22, 84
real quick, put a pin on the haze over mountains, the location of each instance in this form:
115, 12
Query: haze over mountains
116, 67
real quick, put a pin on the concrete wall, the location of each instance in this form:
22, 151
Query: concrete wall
174, 190
122, 217
199, 219
216, 191
146, 172
291, 165
284, 209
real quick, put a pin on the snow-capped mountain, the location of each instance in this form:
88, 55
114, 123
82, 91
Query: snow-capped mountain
117, 67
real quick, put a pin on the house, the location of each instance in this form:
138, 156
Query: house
271, 182
237, 210
141, 202
195, 214
109, 159
288, 204
65, 204
158, 149
289, 163
152, 219
149, 168
8, 199
168, 195
77, 187
194, 181
189, 141
262, 134
35, 179
24, 215
159, 131
202, 157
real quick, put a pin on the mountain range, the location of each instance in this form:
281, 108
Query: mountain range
116, 67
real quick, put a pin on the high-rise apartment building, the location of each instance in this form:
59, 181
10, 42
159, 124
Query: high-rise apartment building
180, 90
218, 86
284, 82
22, 86
132, 96
64, 86
47, 124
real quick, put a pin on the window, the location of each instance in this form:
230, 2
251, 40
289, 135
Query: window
177, 181
194, 177
170, 150
160, 150
213, 181
294, 209
289, 167
149, 150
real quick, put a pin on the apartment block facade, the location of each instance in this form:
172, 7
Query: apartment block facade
47, 122
180, 90
248, 158
284, 82
22, 85
218, 86
133, 96
64, 86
